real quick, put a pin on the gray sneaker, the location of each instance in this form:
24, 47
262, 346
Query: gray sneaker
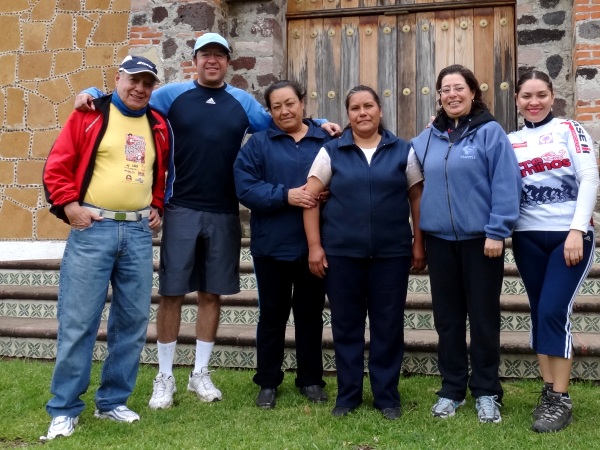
445, 407
119, 414
558, 414
542, 405
488, 409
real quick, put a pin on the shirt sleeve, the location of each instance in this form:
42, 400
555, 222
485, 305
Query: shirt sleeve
414, 173
321, 167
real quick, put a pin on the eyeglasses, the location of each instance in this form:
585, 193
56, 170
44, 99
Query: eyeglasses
207, 55
447, 89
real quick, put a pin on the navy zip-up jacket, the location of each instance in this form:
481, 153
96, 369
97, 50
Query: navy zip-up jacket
367, 214
266, 168
472, 185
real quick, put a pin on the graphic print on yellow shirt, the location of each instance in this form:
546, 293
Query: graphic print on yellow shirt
123, 172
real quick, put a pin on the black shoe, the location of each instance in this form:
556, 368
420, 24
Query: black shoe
341, 411
266, 398
314, 393
391, 413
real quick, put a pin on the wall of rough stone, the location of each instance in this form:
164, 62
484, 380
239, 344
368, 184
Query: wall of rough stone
53, 48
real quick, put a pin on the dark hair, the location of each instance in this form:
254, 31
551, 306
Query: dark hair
300, 93
534, 75
363, 88
478, 104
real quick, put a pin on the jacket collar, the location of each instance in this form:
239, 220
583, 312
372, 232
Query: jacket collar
103, 106
314, 131
346, 139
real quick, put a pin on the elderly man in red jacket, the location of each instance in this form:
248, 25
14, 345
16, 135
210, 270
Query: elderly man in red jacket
105, 177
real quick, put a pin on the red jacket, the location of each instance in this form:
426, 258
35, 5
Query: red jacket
70, 164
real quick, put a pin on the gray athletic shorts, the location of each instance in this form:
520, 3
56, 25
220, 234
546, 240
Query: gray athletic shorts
200, 251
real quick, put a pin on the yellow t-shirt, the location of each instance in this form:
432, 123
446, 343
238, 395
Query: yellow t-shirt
122, 178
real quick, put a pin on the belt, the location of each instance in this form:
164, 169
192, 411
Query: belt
128, 216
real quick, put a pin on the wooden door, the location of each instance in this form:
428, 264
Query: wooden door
335, 45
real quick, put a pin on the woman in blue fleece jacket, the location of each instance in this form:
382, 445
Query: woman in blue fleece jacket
270, 177
470, 204
363, 247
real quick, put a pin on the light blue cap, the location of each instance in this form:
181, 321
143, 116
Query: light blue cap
211, 38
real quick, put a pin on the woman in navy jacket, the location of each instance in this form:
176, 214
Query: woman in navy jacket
363, 247
270, 177
470, 205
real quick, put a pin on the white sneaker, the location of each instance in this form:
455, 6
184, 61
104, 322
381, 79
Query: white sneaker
488, 409
119, 414
162, 392
202, 385
60, 426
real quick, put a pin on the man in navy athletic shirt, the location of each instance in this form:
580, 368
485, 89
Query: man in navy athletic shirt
201, 229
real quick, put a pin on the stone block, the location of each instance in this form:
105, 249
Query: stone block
86, 78
43, 141
69, 5
11, 33
121, 5
15, 115
48, 226
82, 31
63, 111
13, 6
103, 5
61, 32
14, 144
102, 55
112, 29
7, 172
8, 69
30, 172
40, 112
43, 11
27, 197
2, 110
32, 66
67, 62
17, 222
34, 35
56, 90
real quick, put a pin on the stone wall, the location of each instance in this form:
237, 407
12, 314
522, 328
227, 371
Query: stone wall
54, 48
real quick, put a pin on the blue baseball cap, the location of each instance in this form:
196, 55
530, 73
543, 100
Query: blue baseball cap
211, 38
138, 64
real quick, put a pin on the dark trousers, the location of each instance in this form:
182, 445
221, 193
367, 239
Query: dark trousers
285, 285
377, 287
466, 283
551, 286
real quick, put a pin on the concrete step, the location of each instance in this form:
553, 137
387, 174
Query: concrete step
40, 302
235, 347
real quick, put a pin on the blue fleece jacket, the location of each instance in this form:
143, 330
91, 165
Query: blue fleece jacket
367, 213
266, 168
472, 185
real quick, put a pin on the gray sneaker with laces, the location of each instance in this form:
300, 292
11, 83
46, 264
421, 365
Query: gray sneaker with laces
445, 407
558, 414
488, 409
543, 403
60, 426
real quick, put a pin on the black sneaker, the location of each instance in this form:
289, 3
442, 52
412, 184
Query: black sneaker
558, 414
543, 403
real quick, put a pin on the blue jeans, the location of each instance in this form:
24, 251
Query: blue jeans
108, 251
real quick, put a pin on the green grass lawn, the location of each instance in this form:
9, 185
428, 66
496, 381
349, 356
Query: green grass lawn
235, 423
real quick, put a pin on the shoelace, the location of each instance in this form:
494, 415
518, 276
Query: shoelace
554, 411
488, 404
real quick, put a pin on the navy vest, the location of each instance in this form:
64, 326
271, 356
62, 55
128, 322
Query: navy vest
367, 214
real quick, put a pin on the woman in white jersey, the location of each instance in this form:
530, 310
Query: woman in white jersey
553, 242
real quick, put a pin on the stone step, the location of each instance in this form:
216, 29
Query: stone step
40, 302
234, 347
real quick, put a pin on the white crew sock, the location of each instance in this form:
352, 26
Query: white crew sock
166, 355
203, 352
